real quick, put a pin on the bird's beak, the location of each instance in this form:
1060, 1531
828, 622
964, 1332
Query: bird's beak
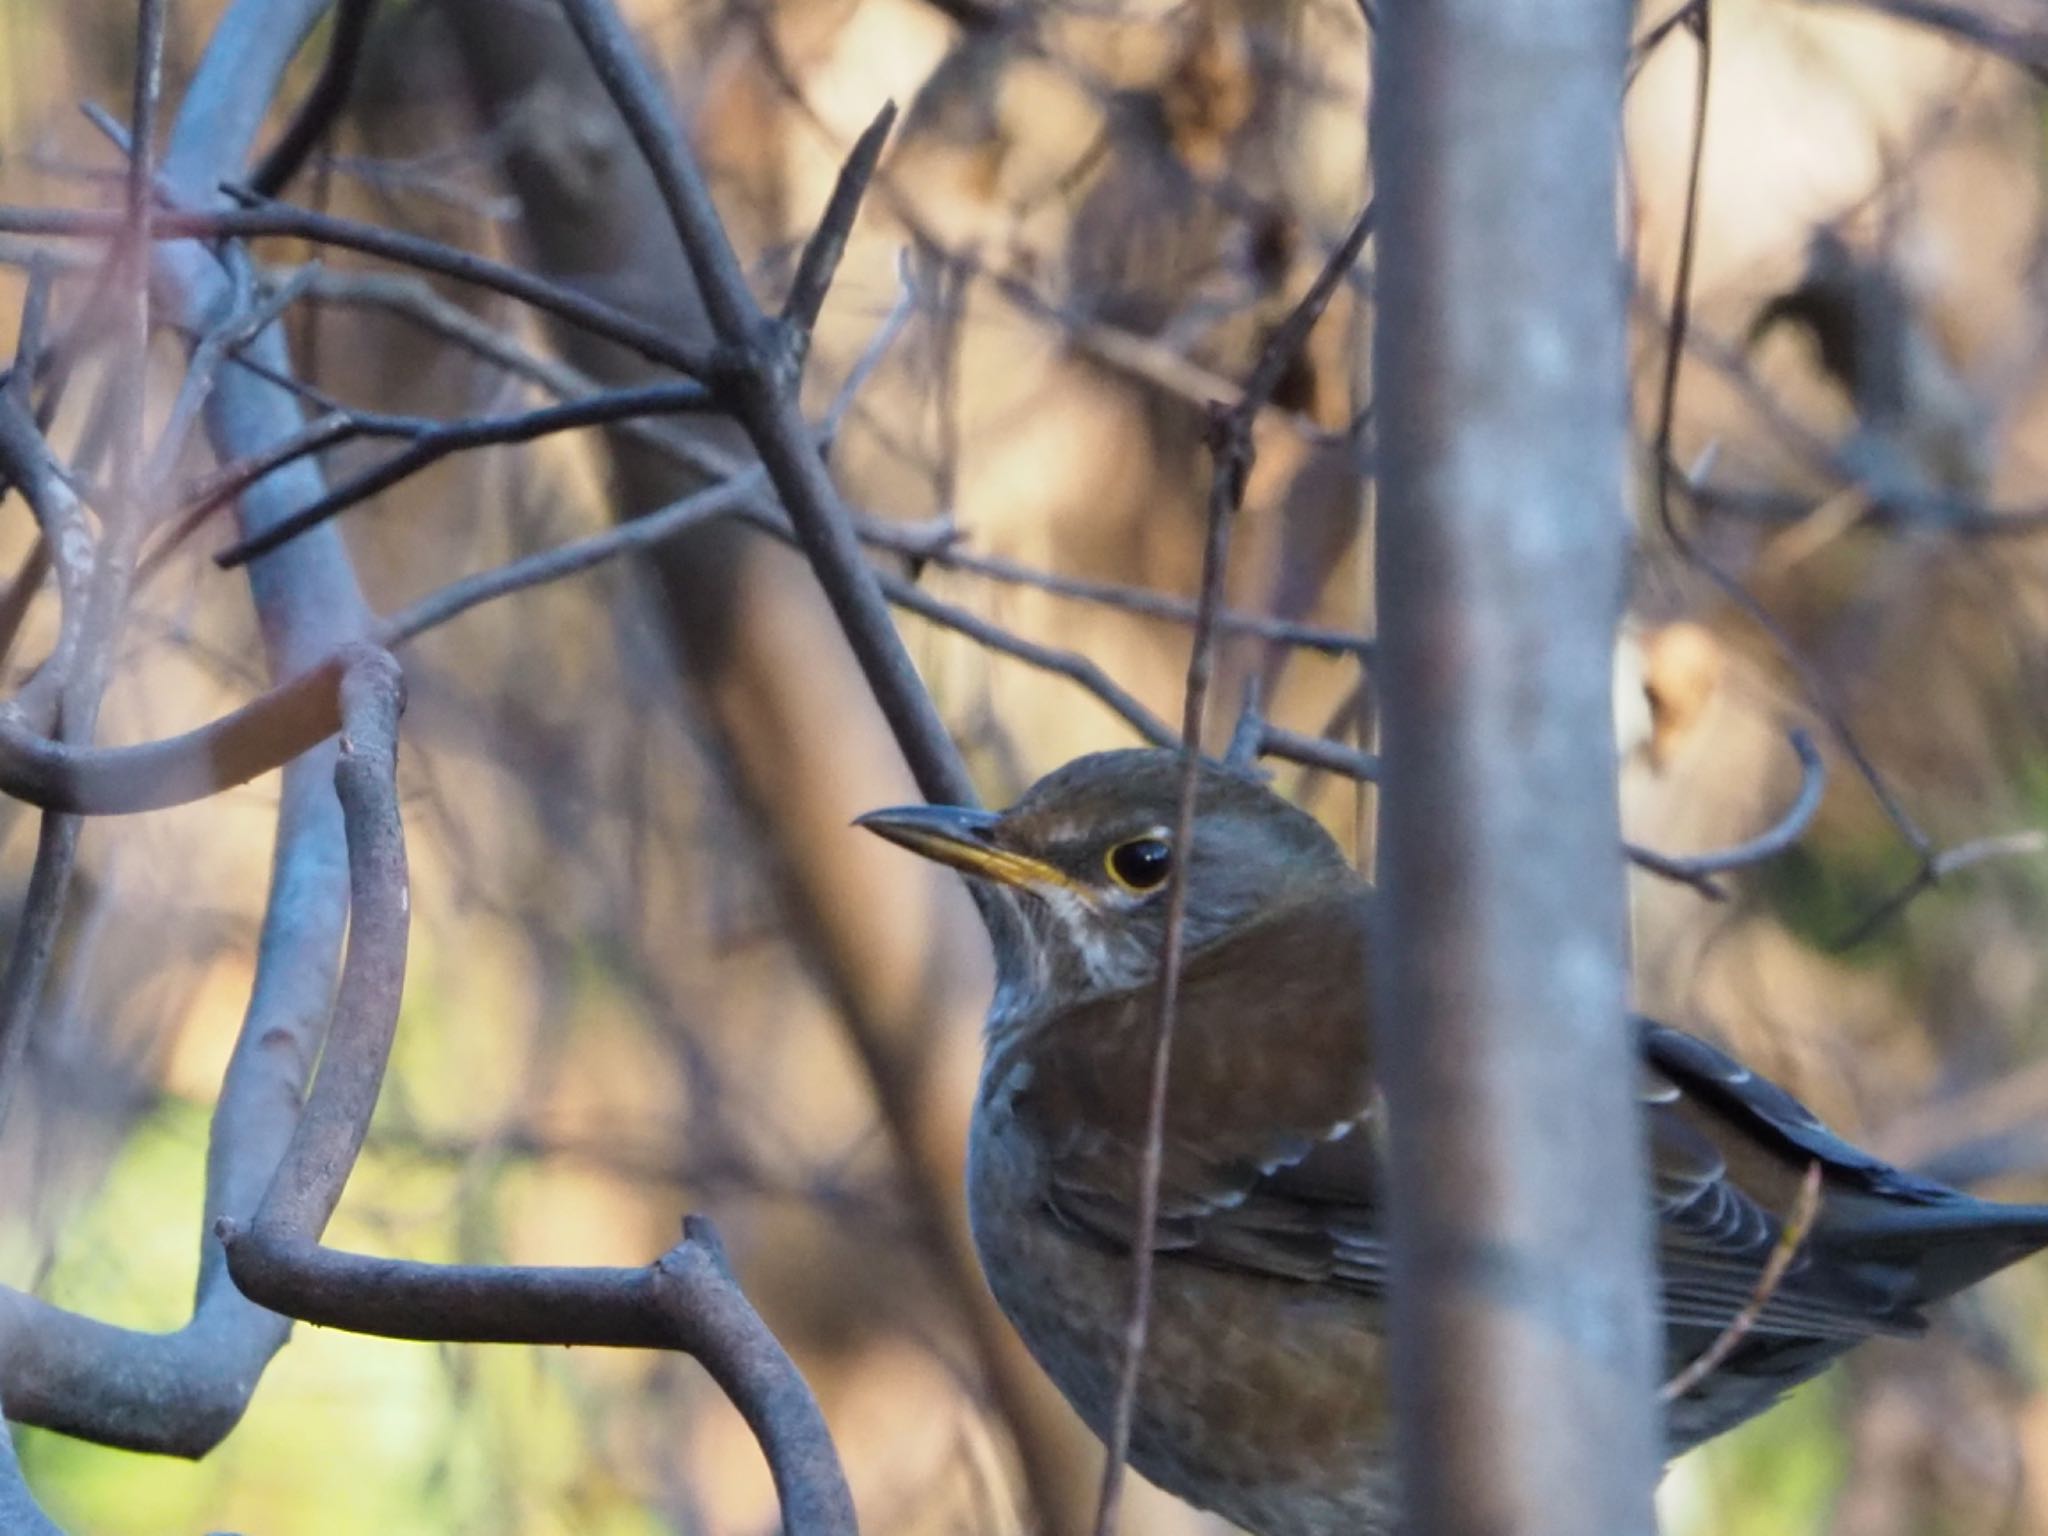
962, 838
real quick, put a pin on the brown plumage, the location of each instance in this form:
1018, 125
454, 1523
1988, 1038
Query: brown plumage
1262, 1394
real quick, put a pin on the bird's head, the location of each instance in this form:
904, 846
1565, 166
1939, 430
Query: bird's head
1089, 850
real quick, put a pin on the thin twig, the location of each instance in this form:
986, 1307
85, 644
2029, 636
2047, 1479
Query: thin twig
266, 218
1790, 1238
1934, 868
434, 441
1700, 20
228, 481
1249, 734
411, 298
1318, 752
871, 358
20, 594
1068, 664
1231, 446
82, 681
26, 459
215, 348
28, 338
641, 533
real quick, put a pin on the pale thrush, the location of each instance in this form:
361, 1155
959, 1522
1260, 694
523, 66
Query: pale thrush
1262, 1394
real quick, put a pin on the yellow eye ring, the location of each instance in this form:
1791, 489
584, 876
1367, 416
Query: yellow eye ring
1140, 864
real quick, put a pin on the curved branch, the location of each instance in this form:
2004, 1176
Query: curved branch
19, 1511
180, 1393
1696, 868
111, 781
687, 1300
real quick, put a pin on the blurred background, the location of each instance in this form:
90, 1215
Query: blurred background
653, 970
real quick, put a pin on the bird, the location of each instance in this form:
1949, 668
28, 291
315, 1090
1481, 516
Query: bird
1262, 1391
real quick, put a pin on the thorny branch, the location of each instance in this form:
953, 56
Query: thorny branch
760, 362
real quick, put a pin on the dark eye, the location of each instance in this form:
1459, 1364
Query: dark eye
1140, 864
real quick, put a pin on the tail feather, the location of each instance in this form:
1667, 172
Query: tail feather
1948, 1246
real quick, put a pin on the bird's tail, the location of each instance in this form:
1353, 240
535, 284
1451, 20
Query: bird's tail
1950, 1246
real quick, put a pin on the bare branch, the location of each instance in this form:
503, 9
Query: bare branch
26, 459
409, 297
310, 1176
180, 1393
323, 104
1698, 868
642, 533
762, 359
113, 781
1068, 664
821, 253
215, 348
434, 441
1935, 866
415, 251
20, 593
1232, 449
1700, 21
688, 1299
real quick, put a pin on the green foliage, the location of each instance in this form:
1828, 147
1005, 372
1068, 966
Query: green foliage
1821, 892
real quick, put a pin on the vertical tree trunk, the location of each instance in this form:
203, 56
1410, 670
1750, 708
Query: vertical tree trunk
1522, 1319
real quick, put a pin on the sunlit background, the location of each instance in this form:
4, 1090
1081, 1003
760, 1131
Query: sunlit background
612, 1014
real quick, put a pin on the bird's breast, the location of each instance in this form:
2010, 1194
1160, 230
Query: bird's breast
1261, 1400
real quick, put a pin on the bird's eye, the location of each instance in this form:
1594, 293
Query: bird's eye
1140, 864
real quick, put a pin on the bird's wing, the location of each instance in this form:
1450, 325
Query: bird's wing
1264, 1146
1301, 1195
1728, 1151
